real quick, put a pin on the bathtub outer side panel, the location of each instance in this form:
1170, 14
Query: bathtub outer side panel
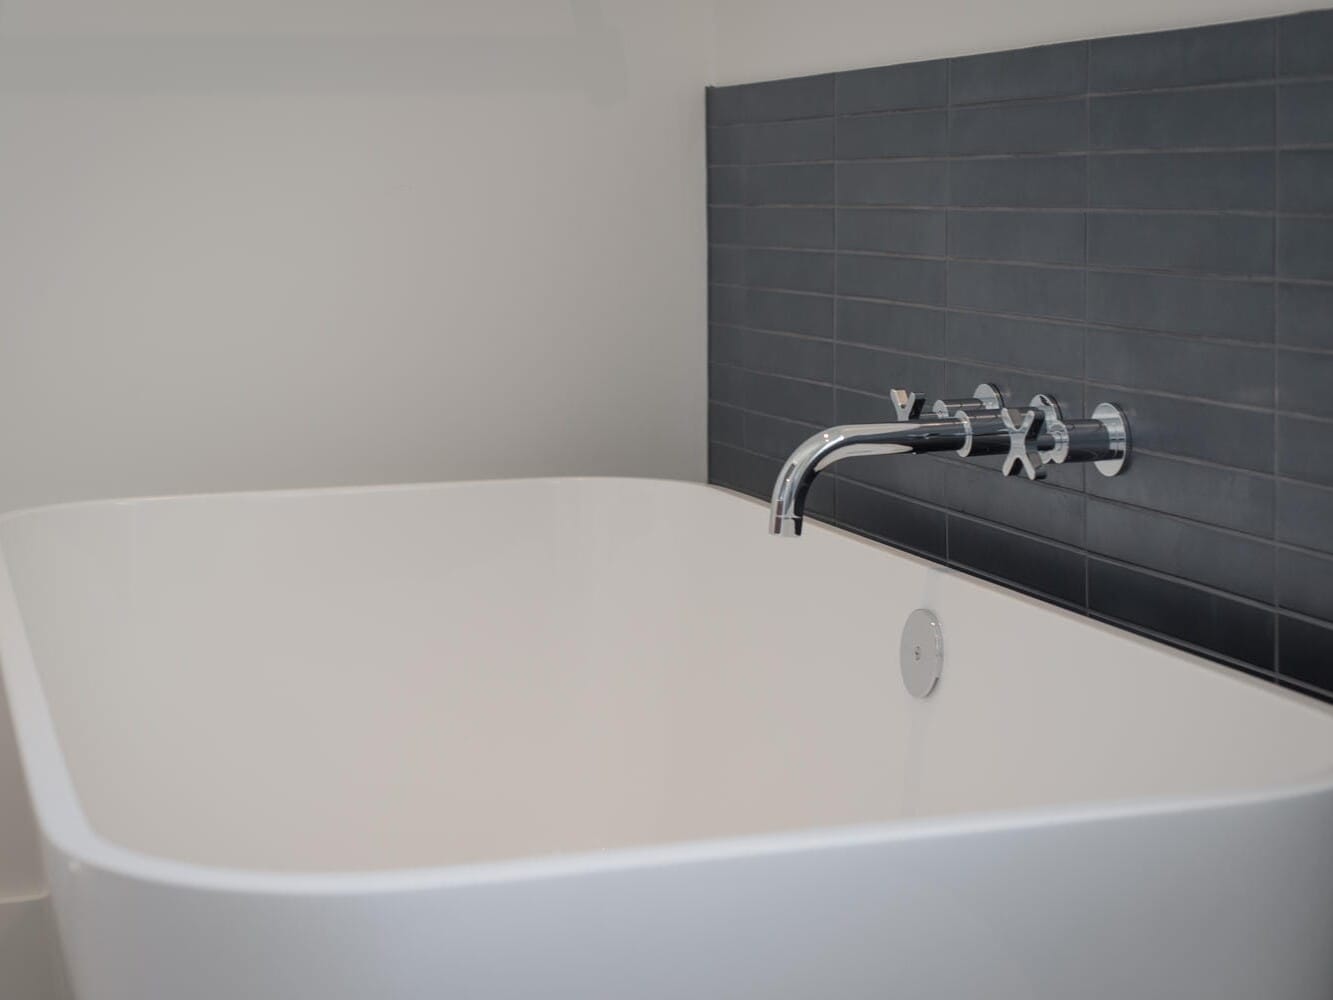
1223, 903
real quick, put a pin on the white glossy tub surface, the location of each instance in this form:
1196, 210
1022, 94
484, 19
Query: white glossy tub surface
606, 738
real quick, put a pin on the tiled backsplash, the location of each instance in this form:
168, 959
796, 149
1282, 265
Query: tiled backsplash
1145, 220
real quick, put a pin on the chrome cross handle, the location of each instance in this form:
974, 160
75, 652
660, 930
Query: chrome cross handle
1041, 436
907, 405
1023, 426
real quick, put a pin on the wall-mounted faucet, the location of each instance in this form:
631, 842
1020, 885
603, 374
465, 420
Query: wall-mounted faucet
1030, 439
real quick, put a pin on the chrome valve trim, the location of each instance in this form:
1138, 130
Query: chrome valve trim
984, 397
1030, 439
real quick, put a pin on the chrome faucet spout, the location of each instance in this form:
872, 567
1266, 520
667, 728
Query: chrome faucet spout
818, 452
1030, 439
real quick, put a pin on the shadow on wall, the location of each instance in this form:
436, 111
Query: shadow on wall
20, 864
29, 966
571, 47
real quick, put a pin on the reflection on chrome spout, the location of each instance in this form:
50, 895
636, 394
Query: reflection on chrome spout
821, 450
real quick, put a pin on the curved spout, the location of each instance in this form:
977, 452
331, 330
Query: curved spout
818, 452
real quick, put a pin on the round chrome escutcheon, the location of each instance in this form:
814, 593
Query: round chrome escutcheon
921, 652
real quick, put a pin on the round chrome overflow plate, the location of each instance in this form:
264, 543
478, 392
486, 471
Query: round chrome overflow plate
921, 652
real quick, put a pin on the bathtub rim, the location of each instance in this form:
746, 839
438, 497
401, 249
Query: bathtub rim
70, 839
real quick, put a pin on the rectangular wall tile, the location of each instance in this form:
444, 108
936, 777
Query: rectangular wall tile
1036, 182
1305, 583
1037, 237
894, 88
788, 142
726, 224
746, 472
1305, 249
913, 183
902, 279
914, 329
726, 425
1179, 611
801, 97
1238, 564
1222, 54
1019, 560
1241, 439
807, 228
1303, 116
726, 185
1184, 119
1303, 450
726, 266
774, 437
794, 399
1228, 498
1305, 385
1239, 310
1055, 514
778, 312
1225, 372
902, 522
794, 270
736, 468
1307, 652
789, 184
1304, 513
892, 230
1217, 181
926, 479
777, 142
1039, 127
902, 133
1045, 71
779, 354
1014, 288
725, 145
727, 304
879, 372
1303, 313
1006, 342
1305, 44
789, 312
1214, 244
1306, 180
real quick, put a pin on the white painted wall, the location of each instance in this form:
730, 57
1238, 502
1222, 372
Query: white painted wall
264, 243
769, 39
255, 244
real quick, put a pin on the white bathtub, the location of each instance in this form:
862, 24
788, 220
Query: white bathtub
607, 739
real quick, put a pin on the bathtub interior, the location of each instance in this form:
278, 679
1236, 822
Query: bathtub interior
426, 676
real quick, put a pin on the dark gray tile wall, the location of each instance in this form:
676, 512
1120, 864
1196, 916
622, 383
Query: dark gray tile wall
1146, 220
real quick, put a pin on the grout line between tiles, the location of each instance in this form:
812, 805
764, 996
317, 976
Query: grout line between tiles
1277, 402
837, 484
1087, 255
948, 271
